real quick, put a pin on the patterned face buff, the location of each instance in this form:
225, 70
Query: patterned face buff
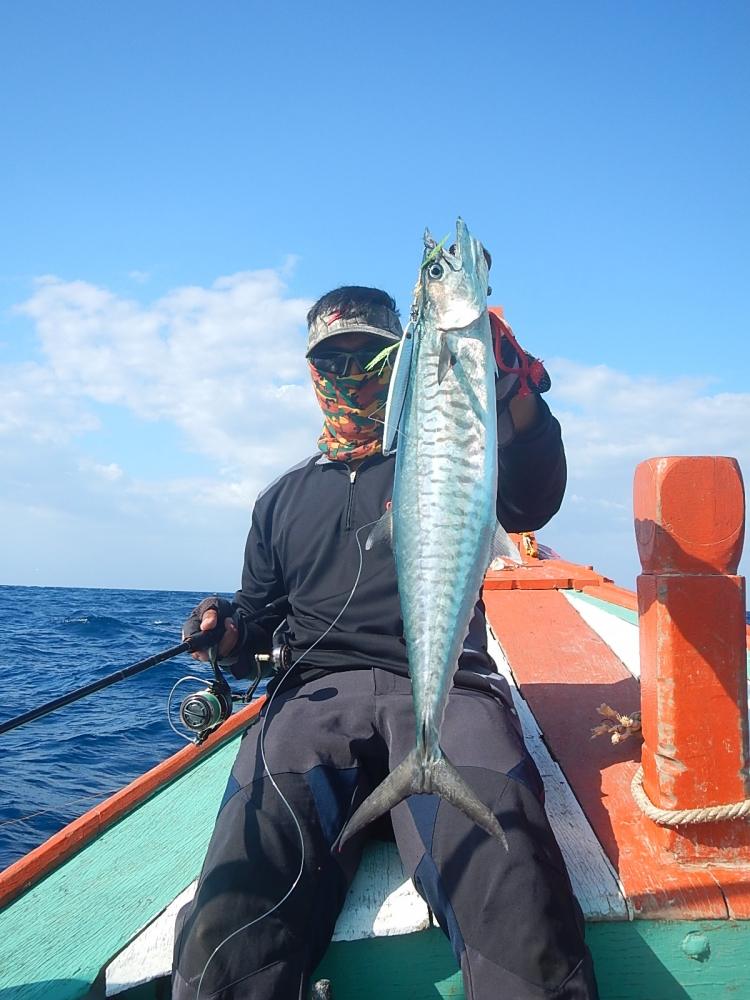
353, 407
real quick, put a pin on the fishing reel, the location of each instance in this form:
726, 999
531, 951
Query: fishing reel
203, 711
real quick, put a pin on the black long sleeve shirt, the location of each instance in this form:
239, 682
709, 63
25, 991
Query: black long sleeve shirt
304, 552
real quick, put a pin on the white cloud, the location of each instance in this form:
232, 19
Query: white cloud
110, 473
224, 365
33, 408
612, 421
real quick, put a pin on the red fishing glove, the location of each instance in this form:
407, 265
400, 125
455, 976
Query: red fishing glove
519, 373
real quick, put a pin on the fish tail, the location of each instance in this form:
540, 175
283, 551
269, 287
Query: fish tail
449, 785
399, 784
417, 776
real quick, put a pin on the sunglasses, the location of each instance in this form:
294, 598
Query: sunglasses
338, 362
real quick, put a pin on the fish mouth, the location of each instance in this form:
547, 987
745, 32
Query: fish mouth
466, 260
462, 250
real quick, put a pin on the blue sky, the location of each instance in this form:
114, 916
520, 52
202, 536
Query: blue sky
185, 178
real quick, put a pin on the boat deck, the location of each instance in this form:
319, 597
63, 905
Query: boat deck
567, 640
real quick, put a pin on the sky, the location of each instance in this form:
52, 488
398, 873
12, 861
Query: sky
180, 181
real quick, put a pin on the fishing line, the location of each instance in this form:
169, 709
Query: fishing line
60, 808
262, 744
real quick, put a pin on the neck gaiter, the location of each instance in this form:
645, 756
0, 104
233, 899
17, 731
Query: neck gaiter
353, 408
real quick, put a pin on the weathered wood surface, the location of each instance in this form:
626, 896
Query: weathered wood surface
27, 871
381, 902
150, 955
594, 604
637, 960
615, 626
565, 671
594, 880
551, 574
734, 881
564, 681
611, 594
665, 960
60, 933
691, 603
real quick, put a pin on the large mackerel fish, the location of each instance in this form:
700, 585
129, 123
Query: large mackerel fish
443, 524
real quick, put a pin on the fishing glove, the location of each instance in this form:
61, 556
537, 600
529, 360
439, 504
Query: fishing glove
519, 373
251, 637
223, 608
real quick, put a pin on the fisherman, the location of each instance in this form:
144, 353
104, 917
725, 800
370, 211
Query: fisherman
343, 718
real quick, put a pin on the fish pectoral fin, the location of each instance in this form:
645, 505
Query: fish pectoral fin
503, 546
446, 360
406, 780
382, 532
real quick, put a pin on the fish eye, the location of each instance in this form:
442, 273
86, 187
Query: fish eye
435, 270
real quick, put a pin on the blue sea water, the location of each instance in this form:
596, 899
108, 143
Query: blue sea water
56, 640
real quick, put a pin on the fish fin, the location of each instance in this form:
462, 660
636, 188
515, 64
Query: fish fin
414, 776
406, 780
503, 546
394, 407
445, 781
382, 532
446, 361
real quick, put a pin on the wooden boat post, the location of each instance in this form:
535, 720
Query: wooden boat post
690, 515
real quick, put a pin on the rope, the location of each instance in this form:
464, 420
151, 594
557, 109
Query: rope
683, 817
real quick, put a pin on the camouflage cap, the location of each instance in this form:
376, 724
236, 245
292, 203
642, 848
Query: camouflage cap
378, 320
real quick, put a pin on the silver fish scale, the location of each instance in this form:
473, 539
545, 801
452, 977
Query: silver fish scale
444, 511
443, 515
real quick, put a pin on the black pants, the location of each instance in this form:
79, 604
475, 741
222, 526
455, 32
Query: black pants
513, 923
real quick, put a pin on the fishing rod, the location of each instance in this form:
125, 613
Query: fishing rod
200, 640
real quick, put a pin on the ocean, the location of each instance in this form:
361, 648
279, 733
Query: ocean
57, 639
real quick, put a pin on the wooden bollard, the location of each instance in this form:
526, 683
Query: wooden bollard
689, 518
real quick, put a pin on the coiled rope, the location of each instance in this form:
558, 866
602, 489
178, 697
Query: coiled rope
684, 817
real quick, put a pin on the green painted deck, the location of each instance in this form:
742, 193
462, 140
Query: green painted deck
643, 960
55, 938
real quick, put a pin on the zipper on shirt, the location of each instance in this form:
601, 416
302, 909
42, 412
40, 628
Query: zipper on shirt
350, 503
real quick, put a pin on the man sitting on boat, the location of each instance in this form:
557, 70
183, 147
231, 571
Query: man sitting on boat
343, 718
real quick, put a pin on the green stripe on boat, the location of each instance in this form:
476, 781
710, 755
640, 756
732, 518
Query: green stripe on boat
614, 609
